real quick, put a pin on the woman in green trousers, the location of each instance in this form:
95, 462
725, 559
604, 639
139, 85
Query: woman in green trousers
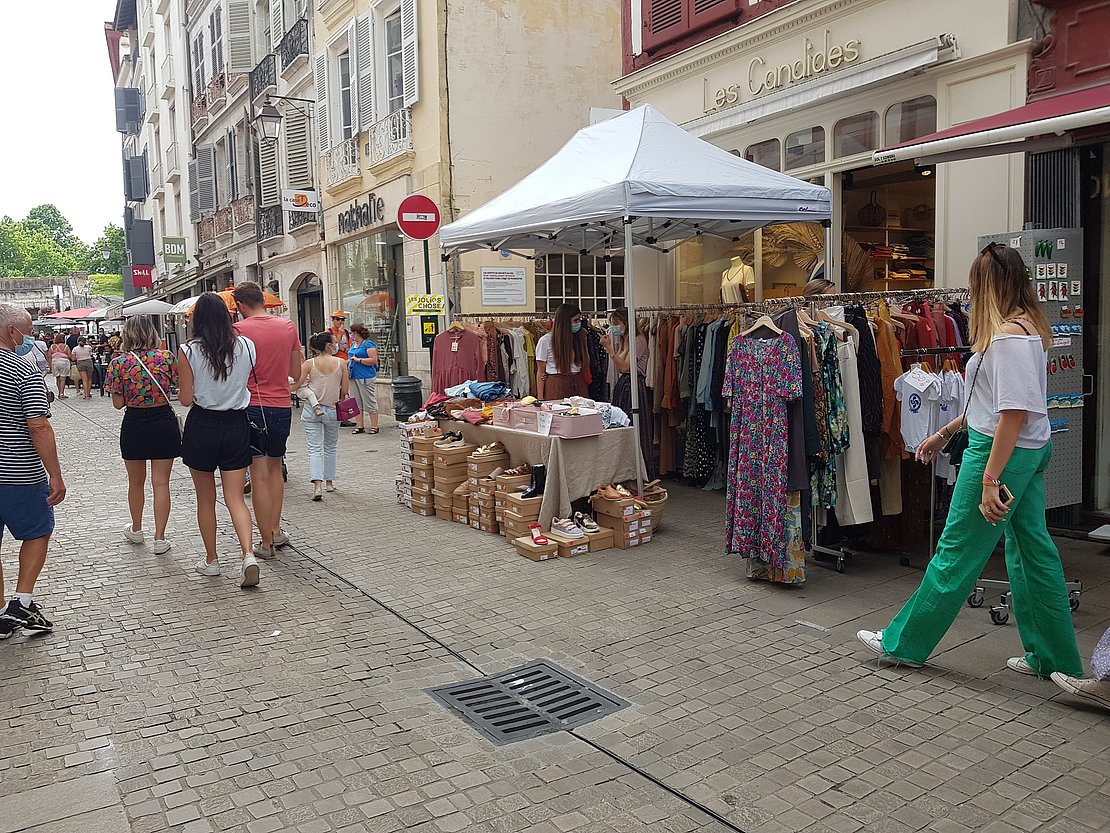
1009, 444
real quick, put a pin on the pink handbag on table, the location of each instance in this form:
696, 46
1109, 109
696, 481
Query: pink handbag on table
346, 409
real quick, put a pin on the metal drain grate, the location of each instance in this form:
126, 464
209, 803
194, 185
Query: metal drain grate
536, 699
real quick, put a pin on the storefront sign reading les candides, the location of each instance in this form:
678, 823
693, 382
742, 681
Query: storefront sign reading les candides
362, 214
764, 78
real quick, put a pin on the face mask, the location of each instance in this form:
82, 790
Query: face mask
616, 330
26, 346
574, 328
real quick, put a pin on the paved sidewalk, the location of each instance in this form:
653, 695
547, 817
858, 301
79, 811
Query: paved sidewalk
168, 701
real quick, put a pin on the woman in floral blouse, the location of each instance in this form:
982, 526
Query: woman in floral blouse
139, 379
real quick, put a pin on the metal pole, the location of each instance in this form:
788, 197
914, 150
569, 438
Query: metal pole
634, 376
828, 255
609, 281
427, 291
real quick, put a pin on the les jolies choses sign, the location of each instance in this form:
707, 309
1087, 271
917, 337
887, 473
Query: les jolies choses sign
765, 77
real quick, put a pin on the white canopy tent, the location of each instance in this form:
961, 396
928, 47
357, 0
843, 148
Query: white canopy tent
637, 179
139, 306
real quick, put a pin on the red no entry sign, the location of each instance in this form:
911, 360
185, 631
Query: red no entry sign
418, 217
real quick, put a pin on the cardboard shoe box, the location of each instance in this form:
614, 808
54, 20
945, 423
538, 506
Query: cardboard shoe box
444, 514
601, 540
623, 508
423, 501
527, 507
629, 531
569, 547
421, 473
483, 464
453, 456
535, 552
505, 483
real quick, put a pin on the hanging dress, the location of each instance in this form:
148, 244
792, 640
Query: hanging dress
761, 376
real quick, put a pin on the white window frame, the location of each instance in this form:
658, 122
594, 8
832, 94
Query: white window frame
384, 92
335, 48
346, 129
216, 22
198, 59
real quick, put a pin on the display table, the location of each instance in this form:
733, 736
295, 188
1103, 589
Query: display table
575, 468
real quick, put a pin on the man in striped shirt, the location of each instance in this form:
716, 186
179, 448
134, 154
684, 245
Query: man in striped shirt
31, 482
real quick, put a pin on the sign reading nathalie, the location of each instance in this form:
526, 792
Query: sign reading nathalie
362, 214
764, 78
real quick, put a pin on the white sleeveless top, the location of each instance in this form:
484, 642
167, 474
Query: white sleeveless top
214, 394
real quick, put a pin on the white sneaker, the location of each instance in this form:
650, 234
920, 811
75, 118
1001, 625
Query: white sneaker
206, 569
281, 539
160, 546
133, 536
874, 642
1022, 666
1090, 690
249, 573
264, 552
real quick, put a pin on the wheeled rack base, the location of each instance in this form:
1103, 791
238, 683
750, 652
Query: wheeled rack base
1000, 613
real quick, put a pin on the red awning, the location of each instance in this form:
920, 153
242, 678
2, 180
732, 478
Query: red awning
1011, 131
74, 314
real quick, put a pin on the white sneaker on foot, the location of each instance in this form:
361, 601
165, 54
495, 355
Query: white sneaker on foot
131, 535
260, 550
206, 569
249, 573
1022, 666
874, 642
281, 539
160, 546
1090, 690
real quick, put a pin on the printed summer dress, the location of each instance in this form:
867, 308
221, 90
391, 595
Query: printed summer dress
760, 377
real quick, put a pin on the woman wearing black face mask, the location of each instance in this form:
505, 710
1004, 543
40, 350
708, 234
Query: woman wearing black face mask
616, 344
561, 357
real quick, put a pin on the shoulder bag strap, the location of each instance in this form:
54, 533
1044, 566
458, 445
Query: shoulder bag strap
153, 378
257, 386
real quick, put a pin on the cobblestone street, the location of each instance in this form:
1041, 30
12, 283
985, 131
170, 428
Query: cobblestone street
169, 701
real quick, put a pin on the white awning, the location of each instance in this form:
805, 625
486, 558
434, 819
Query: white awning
849, 79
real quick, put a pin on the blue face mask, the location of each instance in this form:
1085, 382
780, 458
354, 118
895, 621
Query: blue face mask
26, 346
616, 330
574, 328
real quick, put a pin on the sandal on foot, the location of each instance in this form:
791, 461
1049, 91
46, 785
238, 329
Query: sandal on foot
359, 431
371, 430
538, 537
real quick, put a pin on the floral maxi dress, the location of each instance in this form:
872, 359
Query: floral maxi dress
761, 375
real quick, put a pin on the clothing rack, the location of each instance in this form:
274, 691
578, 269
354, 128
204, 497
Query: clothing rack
898, 296
503, 316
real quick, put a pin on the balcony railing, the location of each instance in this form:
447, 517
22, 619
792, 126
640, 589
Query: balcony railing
166, 77
342, 162
297, 219
242, 211
157, 184
173, 168
206, 230
264, 77
223, 221
390, 136
270, 222
217, 91
294, 45
199, 111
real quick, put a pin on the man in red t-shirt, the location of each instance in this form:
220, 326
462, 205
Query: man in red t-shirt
279, 357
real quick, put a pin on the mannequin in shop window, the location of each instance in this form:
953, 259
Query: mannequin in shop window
561, 356
735, 280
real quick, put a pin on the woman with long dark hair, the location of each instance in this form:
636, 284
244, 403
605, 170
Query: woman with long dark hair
139, 379
616, 344
561, 356
215, 366
1000, 487
326, 377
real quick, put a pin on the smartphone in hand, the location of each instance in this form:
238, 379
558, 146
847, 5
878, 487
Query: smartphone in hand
1004, 494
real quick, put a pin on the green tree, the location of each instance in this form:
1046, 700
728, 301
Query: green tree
29, 248
112, 240
57, 227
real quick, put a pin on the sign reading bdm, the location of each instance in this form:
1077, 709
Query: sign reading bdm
418, 217
415, 302
173, 250
308, 201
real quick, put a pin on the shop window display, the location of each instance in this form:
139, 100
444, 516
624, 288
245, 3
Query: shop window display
368, 271
768, 154
579, 280
856, 134
805, 148
911, 119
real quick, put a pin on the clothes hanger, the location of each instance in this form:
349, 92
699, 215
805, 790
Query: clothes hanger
764, 321
456, 327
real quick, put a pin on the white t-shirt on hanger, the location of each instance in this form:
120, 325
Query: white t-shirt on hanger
918, 390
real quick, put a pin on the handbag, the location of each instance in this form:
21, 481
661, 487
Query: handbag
153, 378
74, 372
346, 409
958, 442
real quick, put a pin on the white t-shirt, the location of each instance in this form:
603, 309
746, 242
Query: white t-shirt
545, 353
919, 410
230, 394
1014, 377
947, 409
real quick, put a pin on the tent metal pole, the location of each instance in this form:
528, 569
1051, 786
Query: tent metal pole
634, 376
609, 281
828, 255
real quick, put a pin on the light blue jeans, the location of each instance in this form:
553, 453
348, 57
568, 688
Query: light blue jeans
322, 435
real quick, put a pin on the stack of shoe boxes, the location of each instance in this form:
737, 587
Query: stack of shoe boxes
404, 478
506, 484
519, 514
478, 468
449, 468
460, 503
423, 477
631, 526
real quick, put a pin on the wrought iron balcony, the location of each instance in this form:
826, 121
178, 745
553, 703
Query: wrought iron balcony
342, 162
166, 77
223, 221
294, 45
390, 136
242, 211
206, 230
298, 219
271, 222
199, 111
264, 77
217, 91
173, 167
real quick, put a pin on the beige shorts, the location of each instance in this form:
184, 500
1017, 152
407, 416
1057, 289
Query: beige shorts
365, 392
60, 367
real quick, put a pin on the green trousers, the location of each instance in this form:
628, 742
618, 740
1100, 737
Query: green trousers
1040, 599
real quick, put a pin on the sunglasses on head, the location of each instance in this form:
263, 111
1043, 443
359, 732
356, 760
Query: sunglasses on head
993, 249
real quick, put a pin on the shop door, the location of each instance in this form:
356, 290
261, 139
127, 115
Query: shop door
1055, 261
310, 312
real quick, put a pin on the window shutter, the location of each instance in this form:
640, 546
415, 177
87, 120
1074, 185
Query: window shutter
298, 158
664, 21
206, 179
277, 23
239, 36
364, 53
352, 49
198, 63
216, 24
232, 166
410, 64
194, 194
323, 138
710, 12
135, 182
141, 243
128, 110
268, 174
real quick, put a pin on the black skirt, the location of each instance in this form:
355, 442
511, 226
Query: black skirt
150, 434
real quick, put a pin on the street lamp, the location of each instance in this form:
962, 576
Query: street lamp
106, 253
268, 122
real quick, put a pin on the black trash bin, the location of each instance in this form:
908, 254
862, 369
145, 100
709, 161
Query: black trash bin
407, 397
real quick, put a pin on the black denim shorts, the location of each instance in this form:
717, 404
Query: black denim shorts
269, 430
